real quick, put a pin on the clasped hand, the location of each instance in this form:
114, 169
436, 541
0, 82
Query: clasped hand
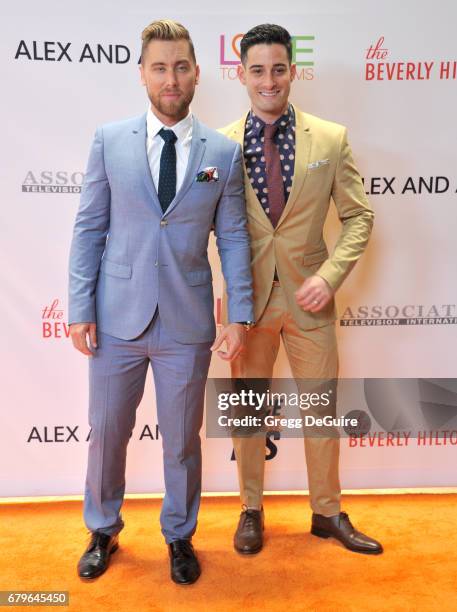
314, 294
234, 336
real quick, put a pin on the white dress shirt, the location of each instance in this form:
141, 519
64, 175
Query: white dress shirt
154, 144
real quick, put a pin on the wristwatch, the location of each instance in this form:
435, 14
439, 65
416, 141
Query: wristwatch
248, 325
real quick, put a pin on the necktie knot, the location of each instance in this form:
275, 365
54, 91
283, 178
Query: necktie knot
168, 135
269, 131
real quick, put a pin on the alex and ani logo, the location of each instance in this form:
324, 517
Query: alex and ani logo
302, 56
379, 68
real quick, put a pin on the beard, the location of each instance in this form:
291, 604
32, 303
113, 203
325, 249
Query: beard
174, 109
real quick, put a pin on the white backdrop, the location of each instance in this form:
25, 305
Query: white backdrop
401, 126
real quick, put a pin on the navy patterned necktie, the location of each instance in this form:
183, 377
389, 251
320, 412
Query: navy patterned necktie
167, 175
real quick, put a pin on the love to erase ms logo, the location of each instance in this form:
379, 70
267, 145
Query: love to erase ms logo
302, 56
380, 67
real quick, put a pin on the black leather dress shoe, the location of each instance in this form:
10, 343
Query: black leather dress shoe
95, 559
248, 538
184, 565
341, 528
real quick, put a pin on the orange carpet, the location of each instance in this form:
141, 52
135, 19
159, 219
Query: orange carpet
41, 543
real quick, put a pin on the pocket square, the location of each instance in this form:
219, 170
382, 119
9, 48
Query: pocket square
317, 164
208, 175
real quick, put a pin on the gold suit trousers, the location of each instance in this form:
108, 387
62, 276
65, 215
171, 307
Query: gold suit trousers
312, 354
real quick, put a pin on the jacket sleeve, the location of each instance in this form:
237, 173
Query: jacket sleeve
89, 236
232, 240
355, 214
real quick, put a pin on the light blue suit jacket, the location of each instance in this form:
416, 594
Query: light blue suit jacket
128, 257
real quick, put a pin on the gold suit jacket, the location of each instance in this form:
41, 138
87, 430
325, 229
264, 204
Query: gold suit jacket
324, 170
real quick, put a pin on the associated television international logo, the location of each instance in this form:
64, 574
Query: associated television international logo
302, 56
380, 67
393, 314
49, 181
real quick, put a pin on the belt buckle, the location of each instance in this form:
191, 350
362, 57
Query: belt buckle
276, 283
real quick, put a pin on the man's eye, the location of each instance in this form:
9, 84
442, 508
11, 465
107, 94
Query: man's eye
183, 68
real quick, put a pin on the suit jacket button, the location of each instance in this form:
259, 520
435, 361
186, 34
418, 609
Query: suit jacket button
163, 223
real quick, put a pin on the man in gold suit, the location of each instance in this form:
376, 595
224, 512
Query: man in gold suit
295, 163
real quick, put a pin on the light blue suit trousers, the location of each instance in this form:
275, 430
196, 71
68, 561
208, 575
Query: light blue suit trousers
117, 375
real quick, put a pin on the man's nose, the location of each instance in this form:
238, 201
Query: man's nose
269, 81
171, 80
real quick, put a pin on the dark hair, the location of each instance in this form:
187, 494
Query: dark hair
266, 34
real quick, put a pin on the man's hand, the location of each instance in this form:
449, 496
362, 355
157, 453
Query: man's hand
234, 336
79, 333
314, 294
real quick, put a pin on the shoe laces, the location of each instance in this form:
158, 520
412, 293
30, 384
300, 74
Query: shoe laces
345, 516
183, 548
250, 517
98, 539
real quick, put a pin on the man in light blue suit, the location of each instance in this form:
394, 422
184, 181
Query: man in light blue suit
140, 291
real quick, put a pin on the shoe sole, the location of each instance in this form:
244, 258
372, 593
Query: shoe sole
186, 583
249, 551
325, 535
91, 578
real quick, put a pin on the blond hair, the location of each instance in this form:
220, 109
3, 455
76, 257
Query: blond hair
166, 29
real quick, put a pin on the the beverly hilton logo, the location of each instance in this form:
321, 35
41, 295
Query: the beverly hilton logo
49, 181
52, 321
379, 67
393, 314
302, 56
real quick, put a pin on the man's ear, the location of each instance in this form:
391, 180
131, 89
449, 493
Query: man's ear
197, 74
143, 82
293, 71
241, 73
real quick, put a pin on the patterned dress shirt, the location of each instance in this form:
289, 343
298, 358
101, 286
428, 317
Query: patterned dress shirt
254, 153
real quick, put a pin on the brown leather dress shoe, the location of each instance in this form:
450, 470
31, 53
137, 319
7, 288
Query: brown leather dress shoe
184, 566
96, 557
248, 537
340, 527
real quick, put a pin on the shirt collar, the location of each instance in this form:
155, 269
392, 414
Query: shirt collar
182, 129
256, 125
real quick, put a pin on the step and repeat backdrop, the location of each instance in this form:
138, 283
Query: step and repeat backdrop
388, 71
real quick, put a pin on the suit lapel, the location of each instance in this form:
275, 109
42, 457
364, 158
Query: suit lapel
252, 201
302, 153
197, 150
141, 159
